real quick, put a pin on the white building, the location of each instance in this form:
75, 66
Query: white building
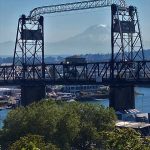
9, 91
80, 88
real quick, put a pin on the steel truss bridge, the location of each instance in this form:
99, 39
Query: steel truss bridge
127, 63
137, 72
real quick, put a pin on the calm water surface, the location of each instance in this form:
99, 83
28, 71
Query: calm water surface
142, 102
3, 115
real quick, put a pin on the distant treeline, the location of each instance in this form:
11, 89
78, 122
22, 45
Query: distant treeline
6, 60
89, 58
59, 59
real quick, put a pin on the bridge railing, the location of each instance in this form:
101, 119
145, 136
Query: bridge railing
95, 73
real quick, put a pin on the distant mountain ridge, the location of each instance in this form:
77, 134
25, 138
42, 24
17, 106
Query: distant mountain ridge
93, 40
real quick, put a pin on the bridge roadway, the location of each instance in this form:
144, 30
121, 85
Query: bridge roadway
104, 73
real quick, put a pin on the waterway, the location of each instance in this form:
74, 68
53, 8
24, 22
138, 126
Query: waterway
3, 115
142, 102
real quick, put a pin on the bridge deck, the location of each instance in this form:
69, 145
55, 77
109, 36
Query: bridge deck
107, 73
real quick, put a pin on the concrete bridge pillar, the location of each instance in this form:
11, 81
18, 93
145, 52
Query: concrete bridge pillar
122, 97
32, 93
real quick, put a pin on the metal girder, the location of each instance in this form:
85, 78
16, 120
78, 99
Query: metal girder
36, 12
29, 46
127, 63
137, 72
125, 34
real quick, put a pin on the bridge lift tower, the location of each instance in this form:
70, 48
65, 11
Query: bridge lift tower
126, 46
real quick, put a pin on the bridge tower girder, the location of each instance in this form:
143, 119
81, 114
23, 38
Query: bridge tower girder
126, 45
126, 40
28, 61
29, 48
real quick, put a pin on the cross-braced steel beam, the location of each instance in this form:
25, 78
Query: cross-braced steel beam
125, 34
29, 47
81, 5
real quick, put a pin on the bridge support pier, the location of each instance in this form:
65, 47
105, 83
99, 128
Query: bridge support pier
122, 97
32, 93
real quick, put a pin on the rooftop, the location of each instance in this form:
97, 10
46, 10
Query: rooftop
134, 125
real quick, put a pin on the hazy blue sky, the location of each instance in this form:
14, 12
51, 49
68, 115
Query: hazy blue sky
63, 25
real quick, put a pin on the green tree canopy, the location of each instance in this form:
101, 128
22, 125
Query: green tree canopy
29, 142
65, 126
124, 139
32, 142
